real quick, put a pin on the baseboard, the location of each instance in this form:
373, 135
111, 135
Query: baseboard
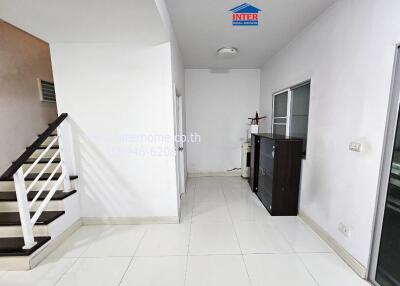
130, 220
53, 244
215, 174
343, 254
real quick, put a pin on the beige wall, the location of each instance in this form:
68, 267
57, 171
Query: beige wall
23, 59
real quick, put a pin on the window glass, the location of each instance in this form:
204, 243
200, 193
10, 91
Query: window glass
280, 129
280, 104
299, 113
280, 120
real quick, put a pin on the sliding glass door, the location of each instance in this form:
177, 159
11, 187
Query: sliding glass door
385, 263
388, 266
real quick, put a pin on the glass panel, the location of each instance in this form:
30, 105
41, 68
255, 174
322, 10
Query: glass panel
298, 127
299, 113
280, 104
387, 272
300, 100
280, 120
280, 129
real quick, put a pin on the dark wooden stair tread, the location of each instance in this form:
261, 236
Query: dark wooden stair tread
44, 177
51, 135
44, 147
58, 196
13, 219
43, 160
12, 246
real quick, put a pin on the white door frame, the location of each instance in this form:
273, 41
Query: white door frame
179, 145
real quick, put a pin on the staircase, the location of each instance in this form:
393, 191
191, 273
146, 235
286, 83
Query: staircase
38, 201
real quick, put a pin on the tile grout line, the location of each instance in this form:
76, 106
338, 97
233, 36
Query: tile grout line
190, 232
308, 270
76, 258
67, 270
285, 238
89, 245
237, 238
294, 252
294, 249
131, 261
269, 224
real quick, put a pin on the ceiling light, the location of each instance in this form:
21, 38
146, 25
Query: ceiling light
227, 52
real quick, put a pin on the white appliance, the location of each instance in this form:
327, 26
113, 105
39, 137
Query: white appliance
254, 128
246, 155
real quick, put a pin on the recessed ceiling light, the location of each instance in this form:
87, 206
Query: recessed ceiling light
227, 52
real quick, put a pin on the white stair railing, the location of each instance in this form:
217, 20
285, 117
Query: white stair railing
67, 181
27, 214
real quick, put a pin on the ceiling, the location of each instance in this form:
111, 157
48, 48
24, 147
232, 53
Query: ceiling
204, 26
83, 21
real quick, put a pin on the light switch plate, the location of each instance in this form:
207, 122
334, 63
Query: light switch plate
355, 147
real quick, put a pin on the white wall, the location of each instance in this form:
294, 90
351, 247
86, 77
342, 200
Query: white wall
178, 71
113, 93
218, 103
23, 59
348, 53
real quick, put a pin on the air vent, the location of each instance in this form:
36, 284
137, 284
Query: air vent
47, 91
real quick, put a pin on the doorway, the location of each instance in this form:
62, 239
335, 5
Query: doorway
384, 268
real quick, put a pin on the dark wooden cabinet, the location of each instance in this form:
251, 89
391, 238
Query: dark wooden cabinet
275, 172
254, 160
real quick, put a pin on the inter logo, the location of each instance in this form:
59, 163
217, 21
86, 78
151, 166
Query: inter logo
245, 15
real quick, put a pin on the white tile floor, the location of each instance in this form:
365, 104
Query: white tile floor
226, 238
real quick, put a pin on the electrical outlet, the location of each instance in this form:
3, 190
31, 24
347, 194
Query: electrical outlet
344, 229
355, 147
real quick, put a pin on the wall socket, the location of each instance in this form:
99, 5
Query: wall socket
344, 229
355, 147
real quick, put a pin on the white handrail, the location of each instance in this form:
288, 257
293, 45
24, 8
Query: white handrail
40, 157
46, 201
45, 184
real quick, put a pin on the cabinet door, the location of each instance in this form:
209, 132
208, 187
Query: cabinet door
254, 162
266, 172
287, 177
267, 150
265, 183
